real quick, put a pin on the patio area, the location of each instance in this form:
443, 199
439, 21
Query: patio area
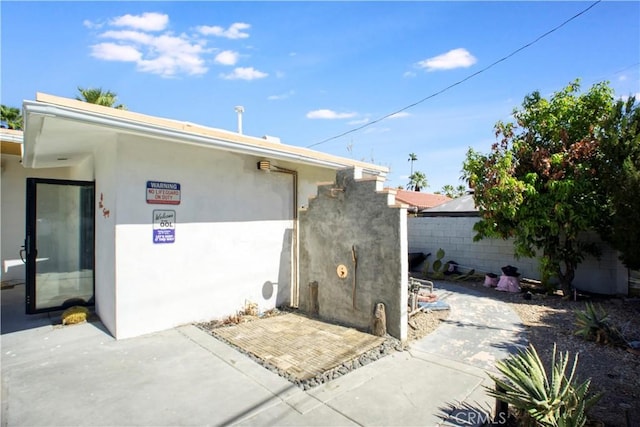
298, 346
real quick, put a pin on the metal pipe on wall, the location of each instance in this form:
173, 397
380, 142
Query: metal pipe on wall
266, 165
295, 288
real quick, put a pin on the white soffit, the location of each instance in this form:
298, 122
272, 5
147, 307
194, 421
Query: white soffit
73, 129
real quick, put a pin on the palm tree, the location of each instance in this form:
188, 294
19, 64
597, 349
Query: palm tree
448, 191
99, 97
412, 158
11, 116
453, 192
418, 180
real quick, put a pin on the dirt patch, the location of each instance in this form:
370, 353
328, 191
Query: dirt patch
422, 324
613, 371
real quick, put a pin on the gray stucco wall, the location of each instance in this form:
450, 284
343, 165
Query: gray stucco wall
455, 235
354, 213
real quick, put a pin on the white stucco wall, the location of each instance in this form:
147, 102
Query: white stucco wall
232, 235
455, 236
13, 200
234, 231
105, 234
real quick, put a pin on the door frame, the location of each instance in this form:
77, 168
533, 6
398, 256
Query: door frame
30, 249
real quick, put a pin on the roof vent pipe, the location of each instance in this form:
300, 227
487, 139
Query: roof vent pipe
239, 109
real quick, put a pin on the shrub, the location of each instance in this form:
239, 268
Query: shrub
75, 314
593, 325
537, 399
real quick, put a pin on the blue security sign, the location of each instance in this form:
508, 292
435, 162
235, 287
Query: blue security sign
164, 226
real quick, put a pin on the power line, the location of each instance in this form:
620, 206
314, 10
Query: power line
433, 95
617, 72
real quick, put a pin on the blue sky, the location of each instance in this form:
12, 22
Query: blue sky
308, 71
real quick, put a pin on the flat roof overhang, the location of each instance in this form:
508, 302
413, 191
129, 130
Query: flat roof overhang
63, 132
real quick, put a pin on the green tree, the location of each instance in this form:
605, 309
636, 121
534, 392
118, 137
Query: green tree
620, 178
540, 183
99, 97
412, 158
11, 116
417, 181
451, 191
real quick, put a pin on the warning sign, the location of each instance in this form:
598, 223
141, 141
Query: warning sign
163, 193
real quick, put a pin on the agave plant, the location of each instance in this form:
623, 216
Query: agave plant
593, 325
537, 399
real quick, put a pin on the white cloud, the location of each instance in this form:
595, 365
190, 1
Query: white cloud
244, 73
281, 96
635, 95
409, 74
128, 35
328, 114
399, 115
148, 21
166, 55
359, 122
115, 52
91, 25
144, 40
622, 78
235, 31
227, 57
456, 58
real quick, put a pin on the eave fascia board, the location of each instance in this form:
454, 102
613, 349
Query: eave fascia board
236, 143
10, 135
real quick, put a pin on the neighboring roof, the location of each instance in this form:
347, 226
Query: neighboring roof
420, 200
11, 141
65, 123
460, 206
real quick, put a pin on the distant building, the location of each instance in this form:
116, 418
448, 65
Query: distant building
418, 201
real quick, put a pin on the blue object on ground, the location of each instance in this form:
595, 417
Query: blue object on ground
436, 305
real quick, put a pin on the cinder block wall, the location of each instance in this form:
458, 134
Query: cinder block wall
455, 235
354, 214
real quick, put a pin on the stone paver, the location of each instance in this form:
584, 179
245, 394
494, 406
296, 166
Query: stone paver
298, 345
478, 332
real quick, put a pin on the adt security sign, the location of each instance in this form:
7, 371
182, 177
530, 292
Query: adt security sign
164, 226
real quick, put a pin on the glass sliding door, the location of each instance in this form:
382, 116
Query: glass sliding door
59, 244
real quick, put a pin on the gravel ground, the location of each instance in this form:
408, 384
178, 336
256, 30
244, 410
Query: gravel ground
422, 324
613, 371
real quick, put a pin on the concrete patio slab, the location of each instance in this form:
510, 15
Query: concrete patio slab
80, 376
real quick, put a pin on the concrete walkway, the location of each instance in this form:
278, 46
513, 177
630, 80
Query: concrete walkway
79, 375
